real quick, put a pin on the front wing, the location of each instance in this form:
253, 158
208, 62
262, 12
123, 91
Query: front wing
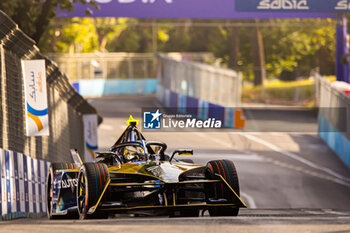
159, 195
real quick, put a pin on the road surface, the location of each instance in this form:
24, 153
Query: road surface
250, 221
291, 182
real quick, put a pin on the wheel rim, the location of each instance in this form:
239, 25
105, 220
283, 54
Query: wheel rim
81, 194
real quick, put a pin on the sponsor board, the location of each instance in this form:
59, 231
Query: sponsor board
209, 9
37, 120
90, 136
22, 185
295, 6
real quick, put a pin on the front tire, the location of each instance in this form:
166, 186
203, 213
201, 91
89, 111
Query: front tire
91, 182
228, 171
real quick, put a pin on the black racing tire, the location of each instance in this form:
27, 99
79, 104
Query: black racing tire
91, 182
187, 161
54, 167
227, 170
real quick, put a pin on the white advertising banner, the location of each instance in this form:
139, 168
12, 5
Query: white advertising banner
22, 185
90, 136
37, 120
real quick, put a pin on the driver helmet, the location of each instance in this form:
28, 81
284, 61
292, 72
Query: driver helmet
133, 153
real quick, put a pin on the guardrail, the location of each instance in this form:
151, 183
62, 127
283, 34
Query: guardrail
105, 87
22, 186
203, 90
65, 110
334, 117
83, 66
209, 83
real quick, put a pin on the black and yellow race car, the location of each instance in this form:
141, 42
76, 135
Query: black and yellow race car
138, 177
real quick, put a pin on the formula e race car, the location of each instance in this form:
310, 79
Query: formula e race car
138, 177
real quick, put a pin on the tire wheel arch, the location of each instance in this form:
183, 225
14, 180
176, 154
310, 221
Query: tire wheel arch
227, 170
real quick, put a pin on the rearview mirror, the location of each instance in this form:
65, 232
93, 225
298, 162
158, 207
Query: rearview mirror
181, 152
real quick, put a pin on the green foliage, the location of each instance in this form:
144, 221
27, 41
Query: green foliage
301, 92
296, 48
34, 16
294, 45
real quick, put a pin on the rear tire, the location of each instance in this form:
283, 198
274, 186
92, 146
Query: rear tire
49, 188
91, 182
227, 170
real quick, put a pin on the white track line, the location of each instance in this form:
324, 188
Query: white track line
218, 141
251, 203
236, 157
295, 157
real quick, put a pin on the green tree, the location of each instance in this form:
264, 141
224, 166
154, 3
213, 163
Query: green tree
290, 45
34, 16
136, 38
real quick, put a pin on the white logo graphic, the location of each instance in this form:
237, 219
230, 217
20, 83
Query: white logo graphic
283, 5
151, 120
342, 5
156, 115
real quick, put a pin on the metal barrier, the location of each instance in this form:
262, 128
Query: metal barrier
205, 82
84, 66
203, 90
334, 117
22, 185
66, 106
105, 87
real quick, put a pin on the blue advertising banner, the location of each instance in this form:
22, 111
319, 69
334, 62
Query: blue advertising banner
205, 9
335, 6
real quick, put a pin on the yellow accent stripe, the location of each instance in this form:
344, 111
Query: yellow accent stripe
232, 190
103, 192
165, 199
81, 161
37, 121
174, 202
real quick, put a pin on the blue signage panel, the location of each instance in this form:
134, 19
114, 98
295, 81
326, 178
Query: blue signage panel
206, 9
296, 6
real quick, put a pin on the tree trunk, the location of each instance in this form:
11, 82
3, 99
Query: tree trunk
234, 48
325, 62
258, 57
103, 44
47, 12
